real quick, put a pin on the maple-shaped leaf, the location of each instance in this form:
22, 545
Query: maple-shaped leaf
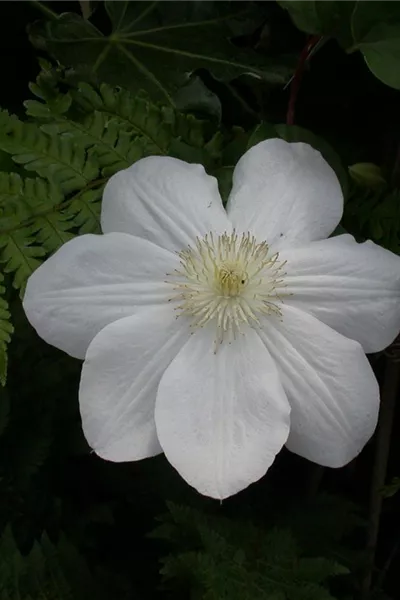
156, 46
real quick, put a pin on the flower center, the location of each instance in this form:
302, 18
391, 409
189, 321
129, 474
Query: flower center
230, 280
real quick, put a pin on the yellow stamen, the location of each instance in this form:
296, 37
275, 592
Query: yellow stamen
228, 279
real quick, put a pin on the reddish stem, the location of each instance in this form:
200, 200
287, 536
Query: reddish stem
298, 76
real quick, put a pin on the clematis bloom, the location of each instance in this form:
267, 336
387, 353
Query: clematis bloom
217, 336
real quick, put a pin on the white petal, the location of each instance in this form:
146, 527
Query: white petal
221, 418
92, 281
354, 288
120, 376
330, 385
164, 200
285, 194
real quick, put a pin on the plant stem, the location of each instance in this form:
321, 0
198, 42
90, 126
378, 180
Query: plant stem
388, 402
50, 14
298, 76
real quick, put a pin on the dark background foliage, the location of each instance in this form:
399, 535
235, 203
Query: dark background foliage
75, 526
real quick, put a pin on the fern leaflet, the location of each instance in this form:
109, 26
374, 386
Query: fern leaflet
53, 157
112, 147
20, 254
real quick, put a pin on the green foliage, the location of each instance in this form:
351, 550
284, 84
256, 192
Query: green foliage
371, 27
156, 46
53, 157
313, 16
54, 164
78, 139
376, 32
48, 572
216, 558
391, 488
367, 175
375, 214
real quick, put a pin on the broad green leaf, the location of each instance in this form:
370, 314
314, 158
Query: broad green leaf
157, 45
196, 98
376, 32
330, 17
304, 14
261, 132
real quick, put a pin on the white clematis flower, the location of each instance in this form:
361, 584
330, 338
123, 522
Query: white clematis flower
218, 336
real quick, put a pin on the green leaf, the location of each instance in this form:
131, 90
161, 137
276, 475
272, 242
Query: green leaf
372, 27
196, 98
6, 162
328, 17
33, 206
21, 255
216, 558
123, 111
261, 132
112, 147
48, 572
367, 175
51, 156
375, 214
86, 207
376, 32
391, 488
157, 45
304, 14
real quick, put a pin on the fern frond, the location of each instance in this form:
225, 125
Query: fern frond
52, 229
48, 572
53, 157
77, 136
113, 147
36, 219
115, 126
86, 207
32, 223
46, 87
218, 559
134, 113
20, 255
159, 125
6, 330
22, 199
